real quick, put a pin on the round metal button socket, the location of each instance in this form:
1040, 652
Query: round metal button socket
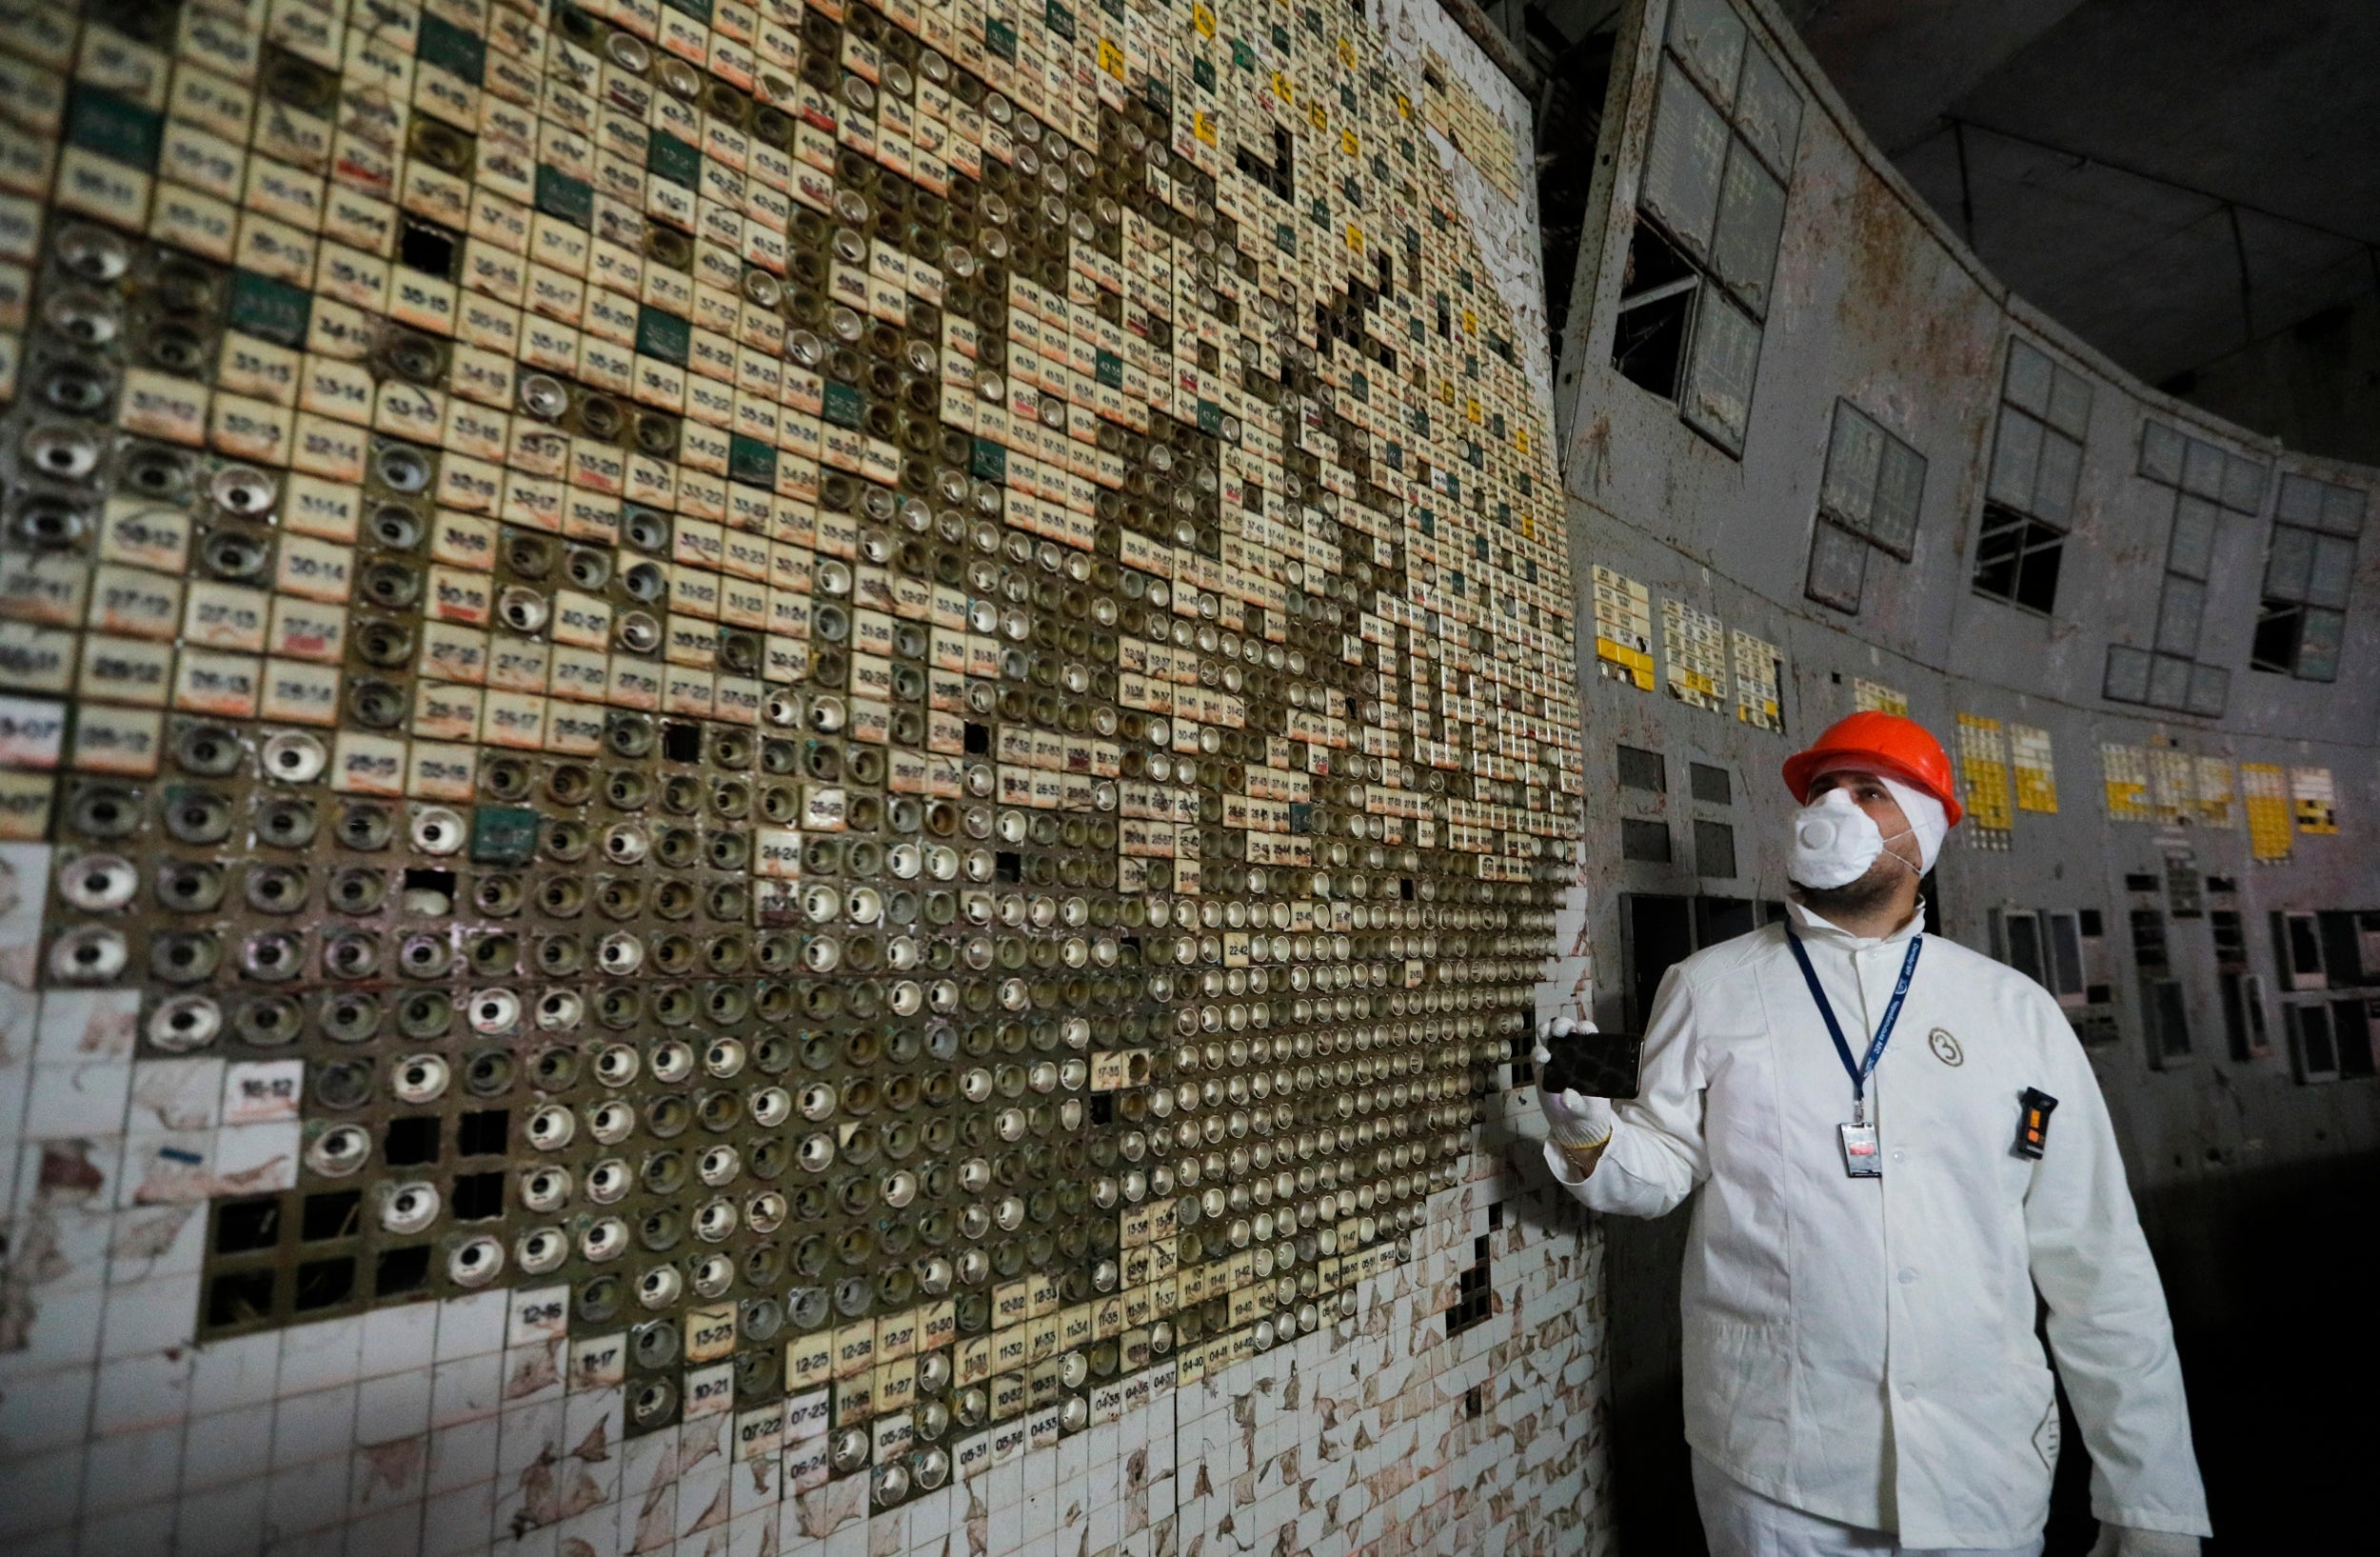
849, 1451
612, 1123
544, 1190
605, 1238
185, 1023
93, 954
541, 1251
293, 756
609, 1181
551, 1128
408, 1208
420, 1078
339, 1151
99, 882
476, 1262
660, 1287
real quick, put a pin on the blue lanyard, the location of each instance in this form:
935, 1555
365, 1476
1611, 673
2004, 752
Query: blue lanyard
1859, 1074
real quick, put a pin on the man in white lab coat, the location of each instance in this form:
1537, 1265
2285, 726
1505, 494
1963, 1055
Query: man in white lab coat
1900, 1144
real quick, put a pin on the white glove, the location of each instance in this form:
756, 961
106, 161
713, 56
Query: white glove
2122, 1540
1572, 1118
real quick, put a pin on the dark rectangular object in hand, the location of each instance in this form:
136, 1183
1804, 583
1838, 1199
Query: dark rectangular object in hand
1595, 1063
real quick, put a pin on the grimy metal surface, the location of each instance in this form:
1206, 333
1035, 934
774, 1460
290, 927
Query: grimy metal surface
878, 697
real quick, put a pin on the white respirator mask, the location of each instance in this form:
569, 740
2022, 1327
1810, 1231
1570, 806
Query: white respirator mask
1834, 841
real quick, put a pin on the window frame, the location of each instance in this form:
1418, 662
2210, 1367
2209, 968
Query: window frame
2043, 405
2315, 514
1716, 185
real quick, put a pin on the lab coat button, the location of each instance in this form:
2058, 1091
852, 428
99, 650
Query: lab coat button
1900, 1157
1907, 1275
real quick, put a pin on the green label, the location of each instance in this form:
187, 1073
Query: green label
662, 334
450, 49
698, 9
1109, 369
503, 834
1210, 418
672, 159
117, 129
751, 462
990, 461
1000, 38
842, 405
271, 309
1202, 71
1061, 20
559, 194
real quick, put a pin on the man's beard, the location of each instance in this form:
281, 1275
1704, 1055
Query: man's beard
1873, 890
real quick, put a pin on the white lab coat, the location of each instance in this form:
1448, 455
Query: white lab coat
1864, 1348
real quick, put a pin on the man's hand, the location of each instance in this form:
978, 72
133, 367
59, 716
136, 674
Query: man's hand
1578, 1125
2121, 1540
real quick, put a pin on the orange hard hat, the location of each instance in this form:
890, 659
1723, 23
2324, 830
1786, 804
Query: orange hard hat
1877, 743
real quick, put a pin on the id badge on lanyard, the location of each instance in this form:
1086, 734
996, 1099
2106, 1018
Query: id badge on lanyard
1862, 1157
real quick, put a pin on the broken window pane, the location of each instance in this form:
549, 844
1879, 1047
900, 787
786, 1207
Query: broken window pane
2277, 626
1838, 566
1752, 211
1720, 371
1683, 165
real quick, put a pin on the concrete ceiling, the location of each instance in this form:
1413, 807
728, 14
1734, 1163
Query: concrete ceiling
2122, 164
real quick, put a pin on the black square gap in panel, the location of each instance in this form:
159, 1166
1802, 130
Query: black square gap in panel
411, 1141
239, 1297
402, 1271
245, 1227
1711, 785
337, 1214
478, 1197
481, 1134
324, 1283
